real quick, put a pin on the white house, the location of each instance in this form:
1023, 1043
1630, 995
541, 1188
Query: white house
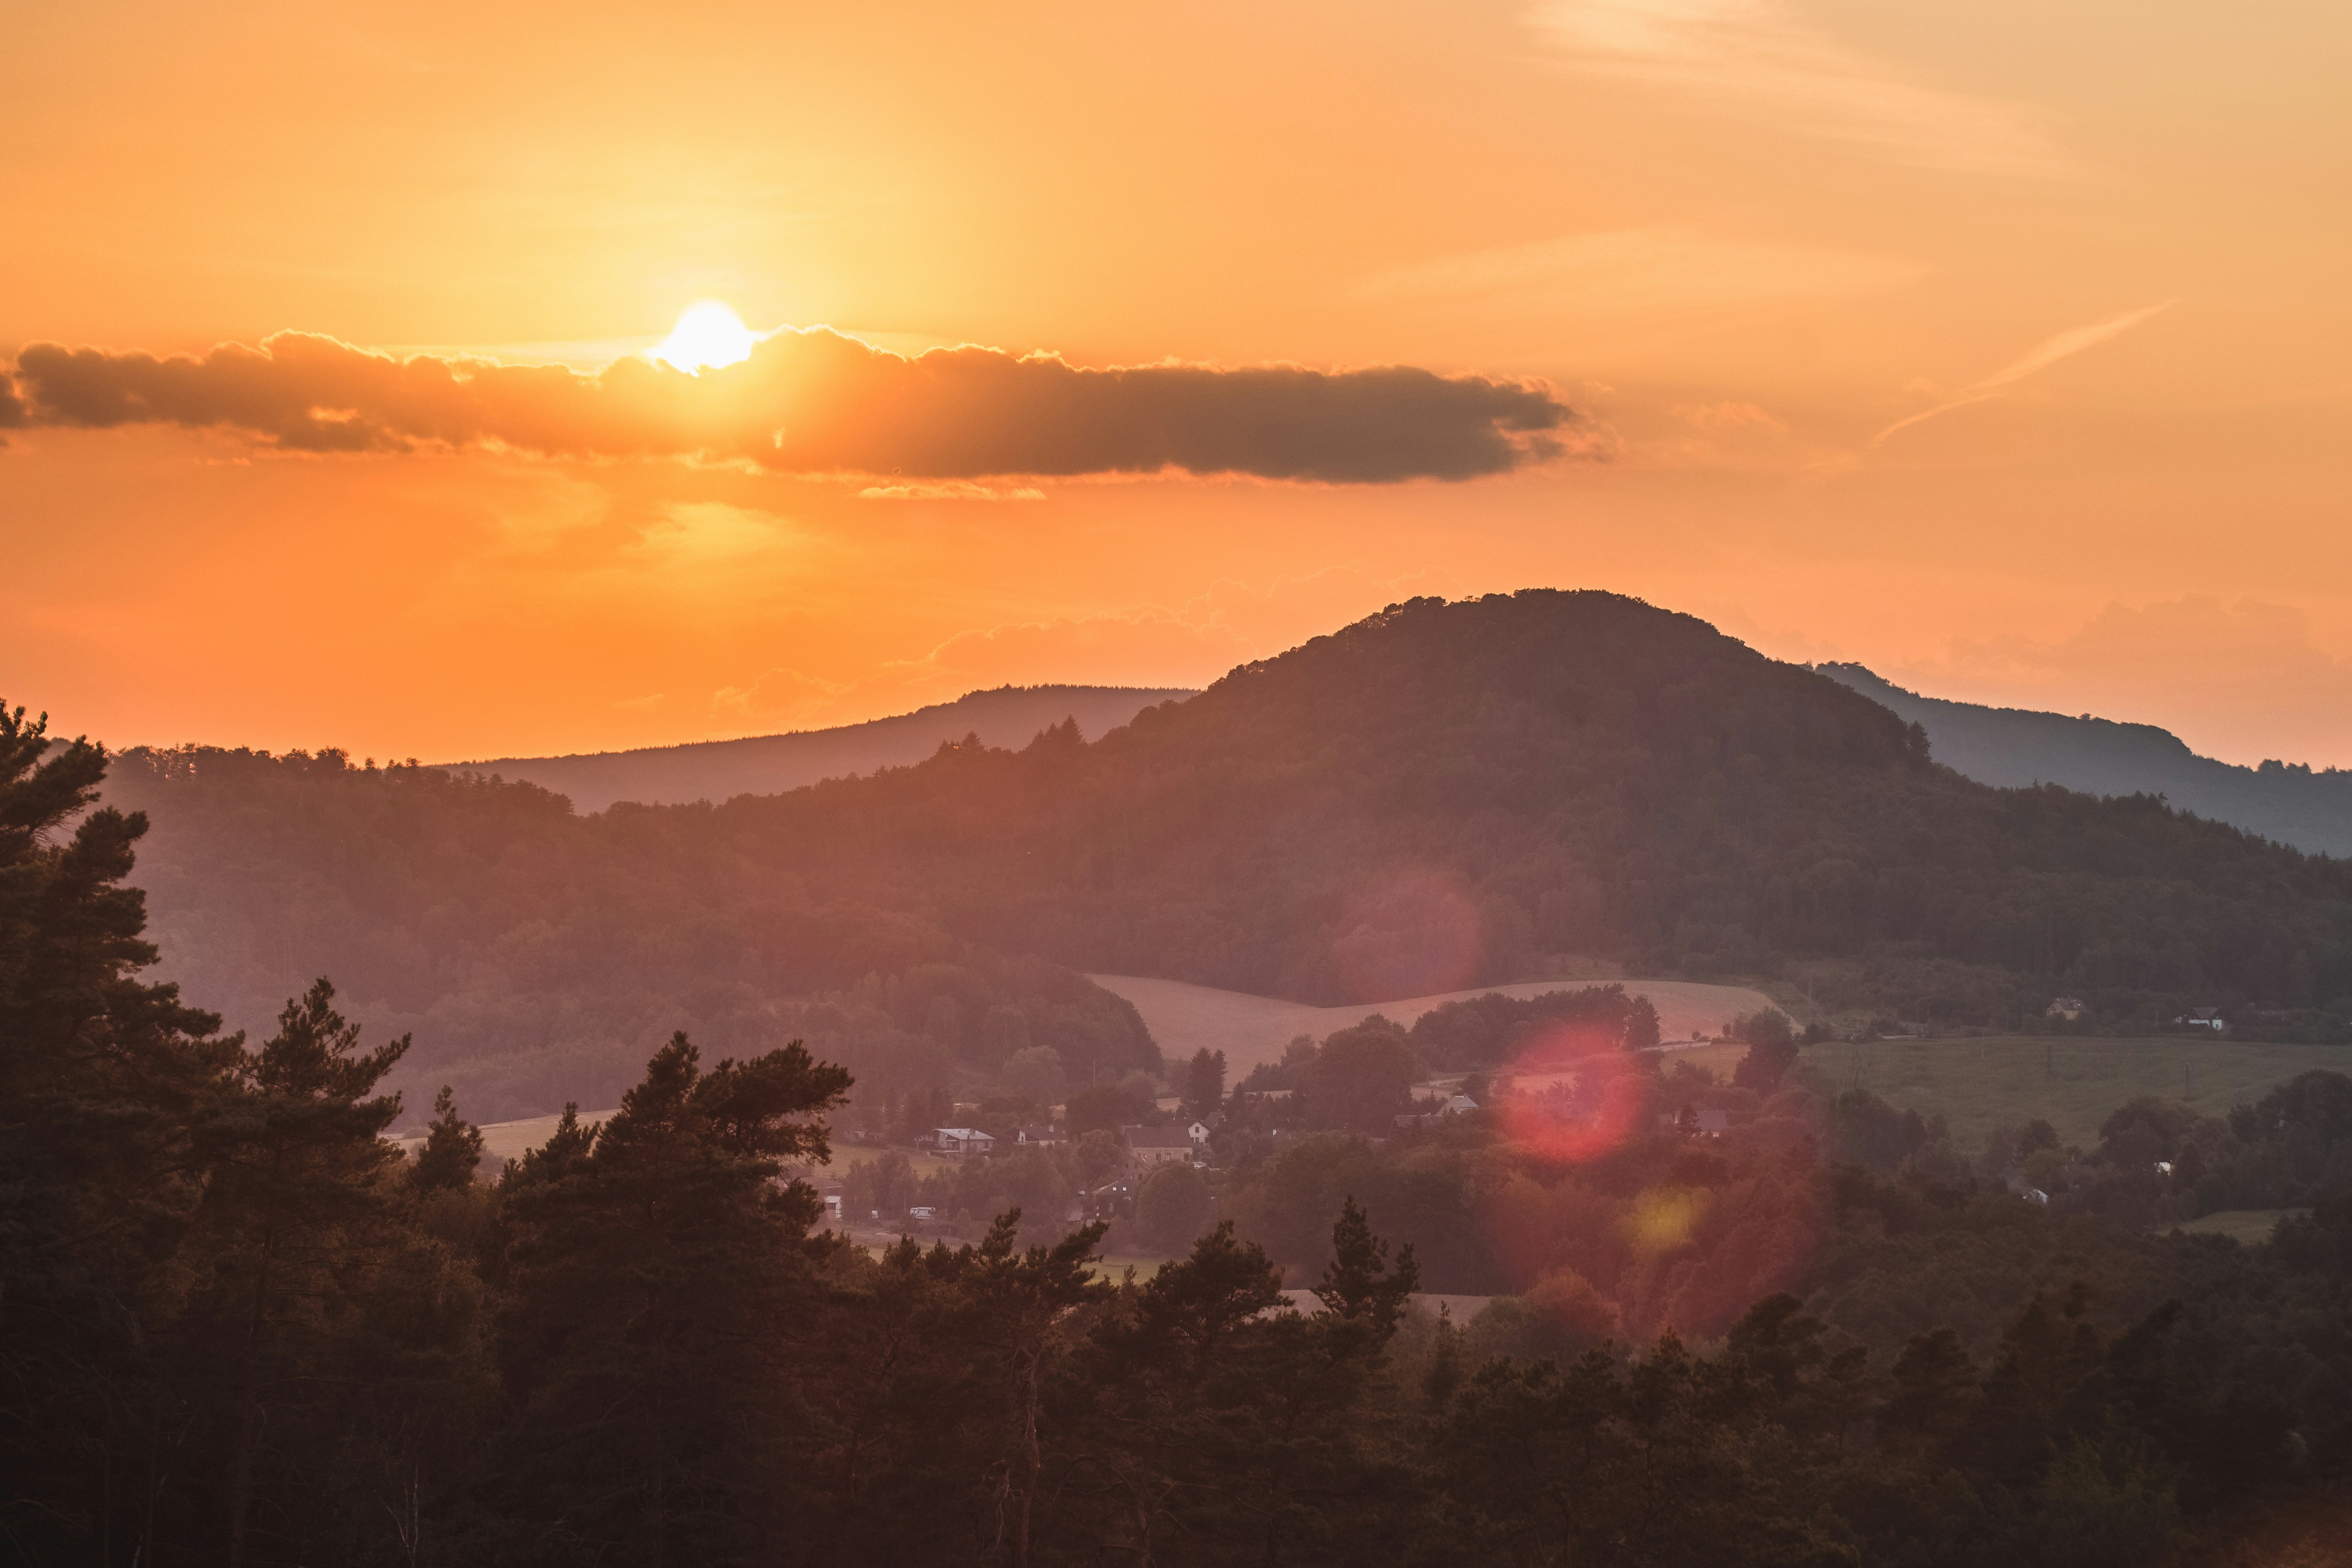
2202, 1018
1158, 1146
1460, 1105
961, 1141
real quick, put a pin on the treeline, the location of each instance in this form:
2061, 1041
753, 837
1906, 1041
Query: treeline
1441, 796
238, 1328
537, 957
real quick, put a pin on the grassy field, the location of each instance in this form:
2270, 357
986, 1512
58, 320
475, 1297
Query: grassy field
2243, 1224
1250, 1029
1978, 1084
508, 1140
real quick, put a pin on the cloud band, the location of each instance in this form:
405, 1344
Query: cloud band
816, 401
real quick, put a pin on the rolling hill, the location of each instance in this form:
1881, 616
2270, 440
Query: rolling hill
1441, 797
771, 764
2015, 748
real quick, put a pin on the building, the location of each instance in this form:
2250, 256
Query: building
1115, 1199
1158, 1146
1460, 1105
961, 1141
1198, 1132
1697, 1121
1039, 1137
2067, 1007
2202, 1018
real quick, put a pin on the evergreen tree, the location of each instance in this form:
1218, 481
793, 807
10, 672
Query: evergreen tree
102, 1080
294, 1223
660, 1282
1359, 1287
452, 1151
1204, 1083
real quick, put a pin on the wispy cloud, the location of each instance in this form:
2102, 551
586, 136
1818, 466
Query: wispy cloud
1757, 59
2039, 358
949, 490
1639, 274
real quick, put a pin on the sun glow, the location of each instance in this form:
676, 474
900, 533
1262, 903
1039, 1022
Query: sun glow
709, 334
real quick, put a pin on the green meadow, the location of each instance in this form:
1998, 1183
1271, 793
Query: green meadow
2071, 1083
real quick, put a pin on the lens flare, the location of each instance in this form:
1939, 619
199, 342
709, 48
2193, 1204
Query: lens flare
1664, 1217
1575, 1093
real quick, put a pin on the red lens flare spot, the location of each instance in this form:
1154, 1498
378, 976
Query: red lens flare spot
1575, 1093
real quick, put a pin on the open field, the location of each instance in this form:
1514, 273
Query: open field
1251, 1030
2243, 1224
509, 1140
1978, 1084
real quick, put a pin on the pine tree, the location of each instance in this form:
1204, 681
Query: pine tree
296, 1221
452, 1151
102, 1077
660, 1285
1359, 1286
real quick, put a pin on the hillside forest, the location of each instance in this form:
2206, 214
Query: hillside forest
240, 1326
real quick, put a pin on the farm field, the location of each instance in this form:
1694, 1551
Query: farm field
2074, 1084
2247, 1225
1251, 1030
508, 1141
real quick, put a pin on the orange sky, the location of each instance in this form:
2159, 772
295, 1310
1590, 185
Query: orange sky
2099, 245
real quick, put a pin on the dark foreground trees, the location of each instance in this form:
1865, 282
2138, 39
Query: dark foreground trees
237, 1327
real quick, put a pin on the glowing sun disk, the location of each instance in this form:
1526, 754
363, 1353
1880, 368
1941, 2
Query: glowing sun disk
707, 334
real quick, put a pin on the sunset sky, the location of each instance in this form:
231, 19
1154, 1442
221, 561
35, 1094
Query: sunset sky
1999, 346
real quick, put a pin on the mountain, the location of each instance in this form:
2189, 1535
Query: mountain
1440, 796
767, 764
1450, 794
2014, 746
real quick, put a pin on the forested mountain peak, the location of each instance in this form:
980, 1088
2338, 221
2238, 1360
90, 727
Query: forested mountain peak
1450, 794
1426, 670
1441, 796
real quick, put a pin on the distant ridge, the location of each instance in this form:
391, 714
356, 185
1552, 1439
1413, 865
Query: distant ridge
2290, 803
715, 770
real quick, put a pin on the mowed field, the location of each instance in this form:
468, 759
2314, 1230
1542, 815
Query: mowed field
509, 1140
2074, 1084
2245, 1226
1251, 1030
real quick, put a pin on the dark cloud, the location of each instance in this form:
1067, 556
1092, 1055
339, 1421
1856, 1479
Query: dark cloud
816, 401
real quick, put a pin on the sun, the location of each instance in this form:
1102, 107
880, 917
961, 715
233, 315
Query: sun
707, 334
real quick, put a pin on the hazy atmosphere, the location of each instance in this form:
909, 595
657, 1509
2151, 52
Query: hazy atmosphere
1995, 348
1562, 784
